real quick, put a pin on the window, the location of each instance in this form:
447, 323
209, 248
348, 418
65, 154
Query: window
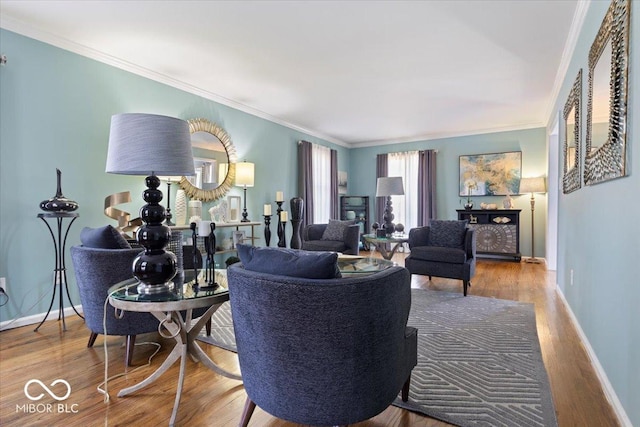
321, 169
405, 208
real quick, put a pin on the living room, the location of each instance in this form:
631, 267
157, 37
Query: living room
55, 109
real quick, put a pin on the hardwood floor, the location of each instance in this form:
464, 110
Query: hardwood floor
211, 400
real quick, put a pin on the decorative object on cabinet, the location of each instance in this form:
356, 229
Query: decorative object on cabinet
195, 210
267, 229
481, 170
245, 175
386, 187
114, 213
234, 208
210, 143
488, 206
571, 179
470, 186
181, 207
58, 203
60, 271
606, 148
238, 238
497, 232
220, 212
507, 202
131, 137
206, 229
297, 209
533, 185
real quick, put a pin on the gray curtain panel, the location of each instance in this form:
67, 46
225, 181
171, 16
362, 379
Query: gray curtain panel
305, 180
382, 169
426, 186
334, 185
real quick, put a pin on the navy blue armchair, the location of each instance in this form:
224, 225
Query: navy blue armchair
322, 352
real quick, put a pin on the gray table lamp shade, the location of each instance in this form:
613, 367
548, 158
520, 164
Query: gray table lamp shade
389, 186
145, 144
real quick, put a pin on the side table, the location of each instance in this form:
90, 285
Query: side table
381, 243
166, 308
60, 271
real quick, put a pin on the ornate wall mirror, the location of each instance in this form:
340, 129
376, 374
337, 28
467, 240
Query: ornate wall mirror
571, 113
605, 156
214, 159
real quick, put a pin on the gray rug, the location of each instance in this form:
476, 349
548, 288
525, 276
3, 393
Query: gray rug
479, 360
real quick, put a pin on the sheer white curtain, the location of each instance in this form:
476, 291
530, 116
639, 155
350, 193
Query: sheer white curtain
321, 169
405, 208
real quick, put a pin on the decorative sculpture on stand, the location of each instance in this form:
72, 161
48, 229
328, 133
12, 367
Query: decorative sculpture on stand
267, 230
206, 229
297, 208
281, 241
58, 203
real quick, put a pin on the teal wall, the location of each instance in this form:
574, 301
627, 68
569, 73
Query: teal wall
532, 144
55, 110
599, 238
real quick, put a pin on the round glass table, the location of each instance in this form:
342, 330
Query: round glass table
184, 330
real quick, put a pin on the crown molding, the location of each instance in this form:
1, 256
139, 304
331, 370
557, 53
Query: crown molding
21, 28
569, 48
444, 135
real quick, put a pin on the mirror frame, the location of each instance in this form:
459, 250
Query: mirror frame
571, 178
609, 161
193, 192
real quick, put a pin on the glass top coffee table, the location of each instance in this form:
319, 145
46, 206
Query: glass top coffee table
357, 265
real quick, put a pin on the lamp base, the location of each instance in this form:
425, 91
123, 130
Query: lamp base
163, 288
533, 261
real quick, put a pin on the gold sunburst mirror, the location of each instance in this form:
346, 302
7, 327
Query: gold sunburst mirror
214, 159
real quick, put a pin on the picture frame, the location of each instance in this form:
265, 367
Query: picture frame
492, 174
238, 237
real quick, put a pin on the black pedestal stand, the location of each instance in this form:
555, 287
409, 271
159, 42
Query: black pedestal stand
60, 271
267, 229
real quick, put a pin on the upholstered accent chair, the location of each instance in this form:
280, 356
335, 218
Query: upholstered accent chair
96, 270
322, 351
443, 249
336, 236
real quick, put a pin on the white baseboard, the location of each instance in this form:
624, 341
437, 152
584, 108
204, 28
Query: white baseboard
609, 392
37, 318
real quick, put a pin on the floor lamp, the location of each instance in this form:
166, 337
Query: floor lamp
533, 185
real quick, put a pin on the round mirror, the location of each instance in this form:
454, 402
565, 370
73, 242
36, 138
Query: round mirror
214, 159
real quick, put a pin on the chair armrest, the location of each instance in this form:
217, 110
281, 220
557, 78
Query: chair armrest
352, 240
419, 237
313, 232
470, 243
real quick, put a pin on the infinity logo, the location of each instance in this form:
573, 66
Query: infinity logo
52, 394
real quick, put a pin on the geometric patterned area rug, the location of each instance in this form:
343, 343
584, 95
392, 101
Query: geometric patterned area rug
479, 360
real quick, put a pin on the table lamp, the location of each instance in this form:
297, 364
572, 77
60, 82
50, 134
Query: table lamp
388, 186
149, 144
533, 185
245, 173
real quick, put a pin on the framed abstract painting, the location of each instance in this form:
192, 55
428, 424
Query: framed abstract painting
494, 174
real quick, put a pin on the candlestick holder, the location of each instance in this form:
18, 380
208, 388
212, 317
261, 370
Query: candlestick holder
281, 242
267, 229
297, 207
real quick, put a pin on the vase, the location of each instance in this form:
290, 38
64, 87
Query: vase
469, 205
297, 209
181, 208
58, 203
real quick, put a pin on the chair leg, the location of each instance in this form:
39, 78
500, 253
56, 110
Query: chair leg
208, 327
466, 284
429, 277
131, 343
92, 339
405, 389
249, 406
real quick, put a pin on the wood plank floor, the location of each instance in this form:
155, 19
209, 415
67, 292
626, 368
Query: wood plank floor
211, 400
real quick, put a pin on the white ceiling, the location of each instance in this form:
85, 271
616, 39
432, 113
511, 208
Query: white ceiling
353, 72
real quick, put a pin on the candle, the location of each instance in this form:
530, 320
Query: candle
279, 196
204, 228
267, 210
284, 216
